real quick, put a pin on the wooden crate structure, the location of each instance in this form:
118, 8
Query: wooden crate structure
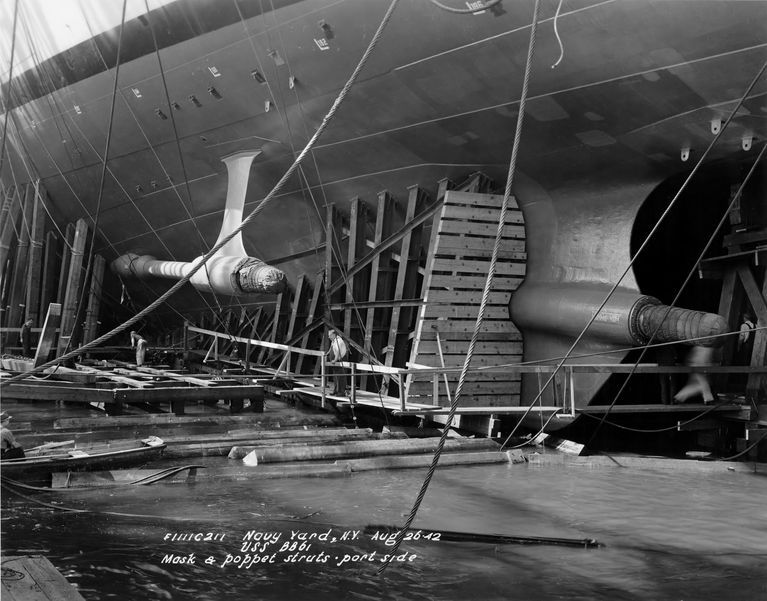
461, 246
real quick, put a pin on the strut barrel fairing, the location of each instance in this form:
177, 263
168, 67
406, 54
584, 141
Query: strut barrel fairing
628, 318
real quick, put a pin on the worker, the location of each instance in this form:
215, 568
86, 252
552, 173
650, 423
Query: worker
138, 341
337, 352
746, 339
25, 338
10, 449
697, 383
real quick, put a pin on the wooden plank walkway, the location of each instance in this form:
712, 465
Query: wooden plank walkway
34, 578
595, 409
362, 397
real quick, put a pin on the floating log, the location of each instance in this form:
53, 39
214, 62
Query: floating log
146, 421
244, 448
246, 436
226, 447
424, 461
227, 474
367, 448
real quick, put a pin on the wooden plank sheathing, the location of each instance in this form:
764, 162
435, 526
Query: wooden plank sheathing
463, 237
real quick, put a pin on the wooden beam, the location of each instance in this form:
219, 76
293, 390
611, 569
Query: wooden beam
11, 210
115, 377
740, 238
253, 322
169, 375
74, 277
94, 299
311, 314
17, 299
755, 297
378, 277
35, 579
405, 278
66, 257
48, 335
48, 280
35, 269
405, 230
298, 310
333, 250
275, 334
443, 186
188, 393
477, 182
298, 300
383, 304
426, 285
754, 389
355, 283
27, 392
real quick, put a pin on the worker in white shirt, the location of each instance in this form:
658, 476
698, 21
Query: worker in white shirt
140, 343
337, 352
746, 339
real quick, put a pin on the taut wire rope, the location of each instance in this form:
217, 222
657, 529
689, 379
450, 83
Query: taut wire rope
485, 294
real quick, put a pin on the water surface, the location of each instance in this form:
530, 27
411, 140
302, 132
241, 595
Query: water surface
665, 535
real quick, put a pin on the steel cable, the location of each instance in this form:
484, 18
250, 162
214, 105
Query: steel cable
485, 295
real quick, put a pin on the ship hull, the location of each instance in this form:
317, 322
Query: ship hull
624, 98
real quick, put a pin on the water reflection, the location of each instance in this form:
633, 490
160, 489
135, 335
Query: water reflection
665, 536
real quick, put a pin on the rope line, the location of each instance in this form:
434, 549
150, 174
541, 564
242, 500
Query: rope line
559, 39
485, 295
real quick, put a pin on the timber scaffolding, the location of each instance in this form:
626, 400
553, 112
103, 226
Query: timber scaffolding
42, 265
421, 276
406, 296
423, 283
